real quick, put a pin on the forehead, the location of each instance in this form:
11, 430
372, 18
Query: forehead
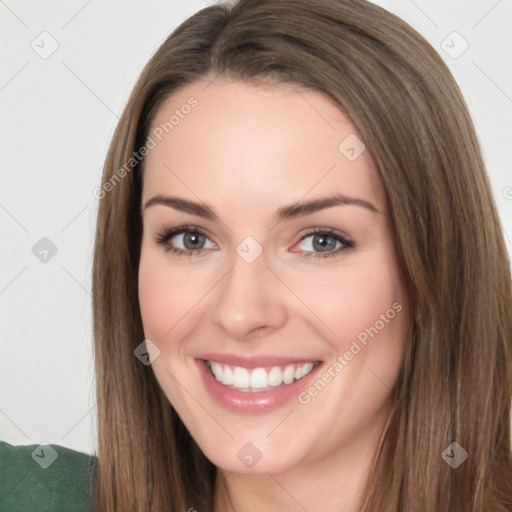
248, 145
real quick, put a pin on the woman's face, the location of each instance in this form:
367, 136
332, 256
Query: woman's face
299, 310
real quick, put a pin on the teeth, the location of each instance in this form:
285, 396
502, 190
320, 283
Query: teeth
241, 378
258, 379
227, 376
217, 371
288, 374
275, 377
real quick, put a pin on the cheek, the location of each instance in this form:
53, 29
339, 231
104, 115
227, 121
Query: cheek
156, 304
357, 299
164, 297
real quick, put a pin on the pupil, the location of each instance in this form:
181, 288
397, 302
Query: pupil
194, 238
322, 244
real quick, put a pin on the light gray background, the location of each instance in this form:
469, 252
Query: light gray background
57, 117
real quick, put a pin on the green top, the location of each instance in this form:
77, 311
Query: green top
45, 478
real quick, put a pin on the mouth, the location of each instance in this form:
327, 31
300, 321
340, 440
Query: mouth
255, 384
257, 380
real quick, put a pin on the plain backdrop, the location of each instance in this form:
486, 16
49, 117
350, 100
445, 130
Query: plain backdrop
58, 114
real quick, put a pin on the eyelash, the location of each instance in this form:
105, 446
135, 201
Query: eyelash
166, 235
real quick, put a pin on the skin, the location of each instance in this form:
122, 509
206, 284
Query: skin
247, 150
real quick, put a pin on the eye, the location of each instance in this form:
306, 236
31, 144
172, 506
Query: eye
326, 241
184, 241
190, 241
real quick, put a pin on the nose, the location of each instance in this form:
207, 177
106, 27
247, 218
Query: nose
249, 301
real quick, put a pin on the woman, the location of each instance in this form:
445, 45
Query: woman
302, 297
250, 110
237, 110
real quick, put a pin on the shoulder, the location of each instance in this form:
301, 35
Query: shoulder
45, 477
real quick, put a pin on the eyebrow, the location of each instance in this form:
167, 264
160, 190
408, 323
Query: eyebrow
284, 213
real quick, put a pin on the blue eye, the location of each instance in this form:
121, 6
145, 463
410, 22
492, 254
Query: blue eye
325, 242
192, 240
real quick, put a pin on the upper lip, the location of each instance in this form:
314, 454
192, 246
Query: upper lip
254, 361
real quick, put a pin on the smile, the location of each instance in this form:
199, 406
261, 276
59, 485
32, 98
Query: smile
255, 384
258, 379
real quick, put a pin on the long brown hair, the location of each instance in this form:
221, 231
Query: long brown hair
456, 381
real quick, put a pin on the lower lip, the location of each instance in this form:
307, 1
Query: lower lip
252, 402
